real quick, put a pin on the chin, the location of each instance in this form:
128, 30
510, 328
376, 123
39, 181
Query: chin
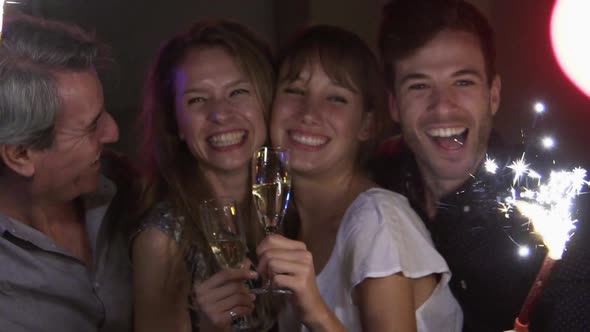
454, 171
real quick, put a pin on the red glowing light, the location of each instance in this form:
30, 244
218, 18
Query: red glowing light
570, 27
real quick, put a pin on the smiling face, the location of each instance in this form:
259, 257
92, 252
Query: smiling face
445, 105
217, 110
320, 121
71, 166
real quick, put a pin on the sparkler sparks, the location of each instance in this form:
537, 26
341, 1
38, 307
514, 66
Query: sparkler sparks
519, 168
548, 206
490, 165
547, 203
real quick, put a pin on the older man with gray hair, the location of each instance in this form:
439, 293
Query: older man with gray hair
64, 265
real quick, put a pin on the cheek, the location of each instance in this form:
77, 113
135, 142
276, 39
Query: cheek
189, 125
279, 120
260, 129
407, 118
276, 127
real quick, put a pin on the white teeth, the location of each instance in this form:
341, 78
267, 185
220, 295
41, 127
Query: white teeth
309, 140
446, 132
227, 139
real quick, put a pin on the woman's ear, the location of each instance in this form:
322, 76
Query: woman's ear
18, 159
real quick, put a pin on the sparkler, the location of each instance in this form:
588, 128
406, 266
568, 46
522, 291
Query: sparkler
547, 203
548, 206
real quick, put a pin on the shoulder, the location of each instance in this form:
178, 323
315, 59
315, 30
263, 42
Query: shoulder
383, 229
379, 207
154, 243
162, 219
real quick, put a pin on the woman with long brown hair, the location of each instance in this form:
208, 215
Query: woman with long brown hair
204, 115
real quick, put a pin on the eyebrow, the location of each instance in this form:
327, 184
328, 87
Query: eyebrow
412, 76
228, 85
468, 71
461, 72
336, 83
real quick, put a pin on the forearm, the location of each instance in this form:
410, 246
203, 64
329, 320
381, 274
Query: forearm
324, 321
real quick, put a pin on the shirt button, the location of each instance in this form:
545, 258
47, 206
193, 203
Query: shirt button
96, 285
466, 208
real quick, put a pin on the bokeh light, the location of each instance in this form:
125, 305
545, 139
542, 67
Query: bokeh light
570, 24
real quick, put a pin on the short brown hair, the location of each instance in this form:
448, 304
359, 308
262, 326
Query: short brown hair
408, 25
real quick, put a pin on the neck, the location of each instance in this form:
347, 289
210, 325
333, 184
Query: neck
60, 221
229, 184
313, 194
20, 203
36, 211
436, 188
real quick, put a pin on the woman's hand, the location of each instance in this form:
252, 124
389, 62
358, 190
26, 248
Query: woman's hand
290, 265
224, 297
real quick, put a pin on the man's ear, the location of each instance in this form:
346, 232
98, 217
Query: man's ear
495, 90
367, 126
18, 159
392, 105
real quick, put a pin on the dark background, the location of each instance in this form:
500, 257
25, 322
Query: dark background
135, 29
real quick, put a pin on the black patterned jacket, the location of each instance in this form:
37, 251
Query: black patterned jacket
481, 246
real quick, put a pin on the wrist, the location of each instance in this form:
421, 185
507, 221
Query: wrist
323, 320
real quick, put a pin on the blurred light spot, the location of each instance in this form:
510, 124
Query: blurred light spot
524, 251
548, 142
539, 107
570, 23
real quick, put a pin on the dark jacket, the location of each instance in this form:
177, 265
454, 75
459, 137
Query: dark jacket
480, 244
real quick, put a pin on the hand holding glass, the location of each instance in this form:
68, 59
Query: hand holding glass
225, 234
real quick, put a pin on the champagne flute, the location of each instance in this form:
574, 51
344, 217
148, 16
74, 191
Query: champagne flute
271, 189
226, 236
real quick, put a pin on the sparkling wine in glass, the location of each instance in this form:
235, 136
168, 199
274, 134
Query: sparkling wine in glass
271, 188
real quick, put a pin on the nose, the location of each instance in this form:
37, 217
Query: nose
310, 112
109, 131
442, 100
220, 110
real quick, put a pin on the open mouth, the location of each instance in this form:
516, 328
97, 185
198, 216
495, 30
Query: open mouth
449, 138
307, 139
226, 139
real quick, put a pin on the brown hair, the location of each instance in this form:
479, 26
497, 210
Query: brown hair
347, 59
408, 25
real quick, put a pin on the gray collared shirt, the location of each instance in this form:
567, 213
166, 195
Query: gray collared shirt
44, 288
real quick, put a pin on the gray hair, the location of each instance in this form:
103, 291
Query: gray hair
32, 51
